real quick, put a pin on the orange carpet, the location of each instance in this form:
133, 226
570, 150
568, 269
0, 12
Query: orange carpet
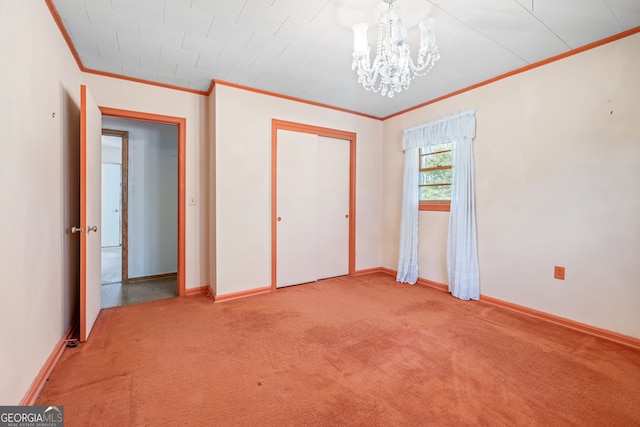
361, 351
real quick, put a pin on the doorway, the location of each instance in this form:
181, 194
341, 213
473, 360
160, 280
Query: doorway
114, 198
139, 211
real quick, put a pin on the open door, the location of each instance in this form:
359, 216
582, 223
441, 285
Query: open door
90, 206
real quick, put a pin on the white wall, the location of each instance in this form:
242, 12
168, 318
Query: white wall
127, 95
153, 196
112, 155
39, 127
243, 183
39, 175
557, 172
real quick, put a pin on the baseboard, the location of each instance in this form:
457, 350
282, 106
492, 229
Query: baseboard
243, 294
201, 290
568, 323
32, 394
153, 277
437, 285
369, 271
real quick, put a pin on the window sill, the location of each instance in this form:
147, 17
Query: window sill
435, 206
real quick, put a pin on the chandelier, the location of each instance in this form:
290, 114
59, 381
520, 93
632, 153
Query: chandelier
393, 63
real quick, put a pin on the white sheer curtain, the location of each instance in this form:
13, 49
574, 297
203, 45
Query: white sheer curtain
462, 254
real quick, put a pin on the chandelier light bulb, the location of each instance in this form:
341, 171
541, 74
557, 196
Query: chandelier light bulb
392, 69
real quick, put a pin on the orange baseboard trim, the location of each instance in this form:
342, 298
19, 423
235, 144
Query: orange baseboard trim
437, 285
368, 271
236, 295
32, 394
389, 271
200, 290
568, 323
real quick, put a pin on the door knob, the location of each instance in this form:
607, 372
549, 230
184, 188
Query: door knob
77, 230
94, 229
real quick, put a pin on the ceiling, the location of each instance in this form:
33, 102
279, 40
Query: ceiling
303, 48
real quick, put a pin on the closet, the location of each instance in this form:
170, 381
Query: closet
312, 209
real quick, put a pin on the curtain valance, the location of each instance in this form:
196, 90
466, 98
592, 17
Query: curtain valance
454, 127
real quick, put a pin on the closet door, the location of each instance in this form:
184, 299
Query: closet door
333, 207
297, 203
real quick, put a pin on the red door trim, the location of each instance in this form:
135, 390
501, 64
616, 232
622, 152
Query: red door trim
182, 158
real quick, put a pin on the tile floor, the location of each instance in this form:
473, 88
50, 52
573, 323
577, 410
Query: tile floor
119, 294
116, 294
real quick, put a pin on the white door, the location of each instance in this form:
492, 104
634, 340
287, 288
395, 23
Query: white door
90, 171
312, 208
333, 207
297, 177
111, 212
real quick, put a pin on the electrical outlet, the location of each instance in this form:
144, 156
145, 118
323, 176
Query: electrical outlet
558, 272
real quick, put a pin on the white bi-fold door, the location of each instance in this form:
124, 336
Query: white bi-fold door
312, 208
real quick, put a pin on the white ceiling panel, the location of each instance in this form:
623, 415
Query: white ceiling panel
118, 57
218, 69
625, 11
142, 48
475, 49
192, 21
340, 14
105, 18
229, 10
175, 82
73, 12
70, 7
303, 10
157, 67
202, 45
236, 56
88, 35
172, 55
243, 76
265, 45
230, 33
508, 25
264, 64
304, 48
193, 74
257, 14
590, 18
162, 34
98, 64
150, 10
137, 73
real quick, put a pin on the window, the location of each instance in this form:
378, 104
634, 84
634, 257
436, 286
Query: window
435, 177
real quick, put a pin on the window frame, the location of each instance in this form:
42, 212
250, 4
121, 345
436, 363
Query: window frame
434, 205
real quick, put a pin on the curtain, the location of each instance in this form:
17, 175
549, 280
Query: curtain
462, 262
408, 262
462, 247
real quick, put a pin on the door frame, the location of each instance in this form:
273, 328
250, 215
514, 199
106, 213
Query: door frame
124, 198
277, 125
181, 122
